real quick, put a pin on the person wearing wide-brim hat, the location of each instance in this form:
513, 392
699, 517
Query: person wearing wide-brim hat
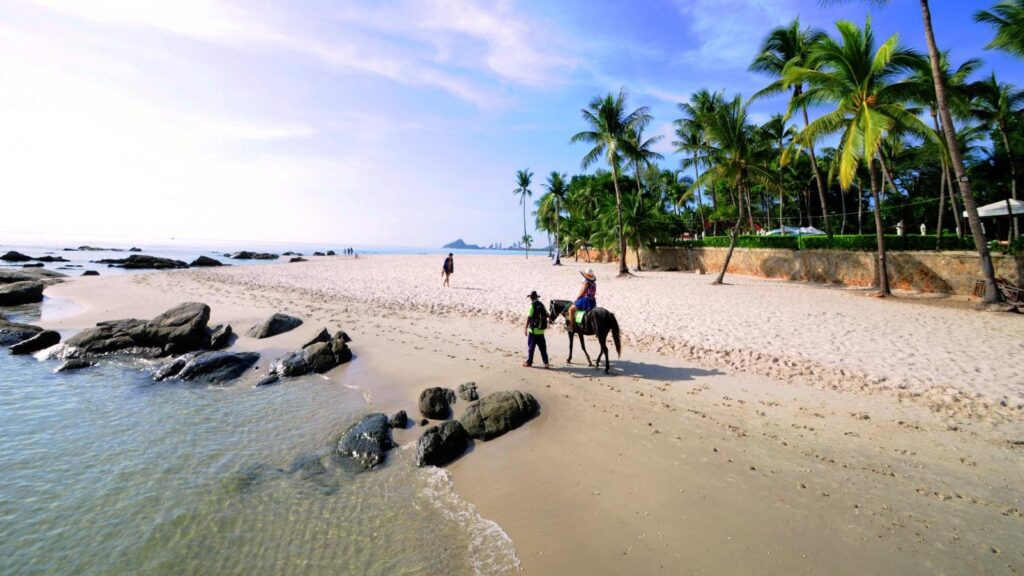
586, 300
536, 322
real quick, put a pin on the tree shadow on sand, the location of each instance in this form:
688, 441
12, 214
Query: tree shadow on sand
641, 370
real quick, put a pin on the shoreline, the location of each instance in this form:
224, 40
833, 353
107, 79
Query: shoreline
668, 464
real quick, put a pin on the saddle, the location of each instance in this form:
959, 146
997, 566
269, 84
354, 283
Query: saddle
580, 315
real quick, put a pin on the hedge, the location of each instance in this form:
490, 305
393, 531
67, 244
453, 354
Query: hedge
853, 242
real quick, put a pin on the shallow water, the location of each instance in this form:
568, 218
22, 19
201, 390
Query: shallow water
104, 471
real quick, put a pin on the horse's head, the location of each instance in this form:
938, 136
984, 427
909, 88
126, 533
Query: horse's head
557, 308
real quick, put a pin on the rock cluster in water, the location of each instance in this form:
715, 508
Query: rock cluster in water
142, 262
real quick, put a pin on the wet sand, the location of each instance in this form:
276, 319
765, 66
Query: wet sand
762, 427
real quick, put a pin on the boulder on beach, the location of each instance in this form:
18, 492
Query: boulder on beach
90, 273
217, 367
467, 392
135, 249
322, 336
206, 261
247, 255
331, 253
180, 329
317, 356
297, 259
75, 364
498, 413
21, 293
366, 443
276, 324
14, 332
319, 254
40, 341
268, 380
51, 259
29, 275
435, 403
13, 256
173, 366
400, 420
143, 262
221, 336
440, 445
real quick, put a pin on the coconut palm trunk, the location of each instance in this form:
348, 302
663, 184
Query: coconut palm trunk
882, 272
988, 271
732, 245
558, 232
817, 174
623, 269
942, 208
1013, 174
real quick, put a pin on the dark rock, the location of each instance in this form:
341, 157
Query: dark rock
341, 335
134, 249
143, 262
217, 367
424, 422
13, 256
291, 364
498, 413
21, 293
468, 392
342, 353
276, 324
226, 255
307, 466
90, 273
319, 254
268, 380
92, 249
206, 261
297, 259
37, 265
40, 341
435, 403
367, 442
172, 367
28, 275
265, 256
290, 253
440, 445
51, 259
13, 332
221, 336
247, 255
330, 253
75, 364
180, 329
322, 336
400, 420
319, 357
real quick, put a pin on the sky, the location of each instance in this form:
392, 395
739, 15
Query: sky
398, 123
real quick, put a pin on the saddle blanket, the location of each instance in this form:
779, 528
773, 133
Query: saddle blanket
579, 316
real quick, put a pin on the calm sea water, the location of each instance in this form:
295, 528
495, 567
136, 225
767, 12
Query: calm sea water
103, 471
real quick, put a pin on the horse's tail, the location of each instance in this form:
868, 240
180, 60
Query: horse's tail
615, 334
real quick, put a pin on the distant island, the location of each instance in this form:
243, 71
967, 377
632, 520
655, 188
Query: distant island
460, 245
516, 246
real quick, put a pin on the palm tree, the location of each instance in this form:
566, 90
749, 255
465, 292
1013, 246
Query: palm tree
523, 180
1008, 19
736, 155
610, 133
558, 190
994, 104
791, 46
992, 293
691, 142
778, 133
859, 81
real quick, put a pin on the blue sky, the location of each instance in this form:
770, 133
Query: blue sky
396, 123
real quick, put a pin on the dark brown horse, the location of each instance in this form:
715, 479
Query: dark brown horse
598, 322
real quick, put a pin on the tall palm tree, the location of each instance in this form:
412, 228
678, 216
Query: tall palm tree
691, 142
994, 104
557, 189
642, 152
780, 135
610, 133
524, 178
735, 155
785, 46
1008, 19
861, 82
992, 293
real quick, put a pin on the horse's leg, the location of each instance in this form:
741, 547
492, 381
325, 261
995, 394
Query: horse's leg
569, 360
583, 346
604, 350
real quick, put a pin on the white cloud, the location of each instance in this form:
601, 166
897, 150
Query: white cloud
729, 32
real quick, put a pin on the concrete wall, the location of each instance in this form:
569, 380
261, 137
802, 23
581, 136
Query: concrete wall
942, 272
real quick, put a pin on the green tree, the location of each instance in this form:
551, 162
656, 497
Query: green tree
784, 46
524, 178
1008, 19
780, 135
557, 190
994, 104
610, 132
860, 82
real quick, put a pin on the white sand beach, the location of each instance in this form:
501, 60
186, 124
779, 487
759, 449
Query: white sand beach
761, 427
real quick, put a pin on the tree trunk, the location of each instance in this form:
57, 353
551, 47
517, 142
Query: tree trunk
992, 293
700, 202
732, 246
860, 209
842, 199
524, 226
942, 207
558, 232
623, 270
1013, 178
817, 174
883, 273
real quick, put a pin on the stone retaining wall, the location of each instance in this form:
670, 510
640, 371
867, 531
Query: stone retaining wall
927, 271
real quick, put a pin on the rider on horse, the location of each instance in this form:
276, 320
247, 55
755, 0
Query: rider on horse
586, 300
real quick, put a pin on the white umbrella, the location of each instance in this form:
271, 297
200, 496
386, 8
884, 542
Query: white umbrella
1000, 208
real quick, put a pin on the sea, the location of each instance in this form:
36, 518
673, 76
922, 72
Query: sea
104, 471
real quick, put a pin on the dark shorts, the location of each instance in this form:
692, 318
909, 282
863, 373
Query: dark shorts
585, 304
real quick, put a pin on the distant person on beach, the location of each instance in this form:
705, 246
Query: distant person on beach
449, 268
536, 322
586, 300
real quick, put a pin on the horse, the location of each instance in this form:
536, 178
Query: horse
595, 322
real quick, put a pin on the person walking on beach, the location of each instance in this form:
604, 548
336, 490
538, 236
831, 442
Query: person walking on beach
586, 300
449, 268
536, 322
